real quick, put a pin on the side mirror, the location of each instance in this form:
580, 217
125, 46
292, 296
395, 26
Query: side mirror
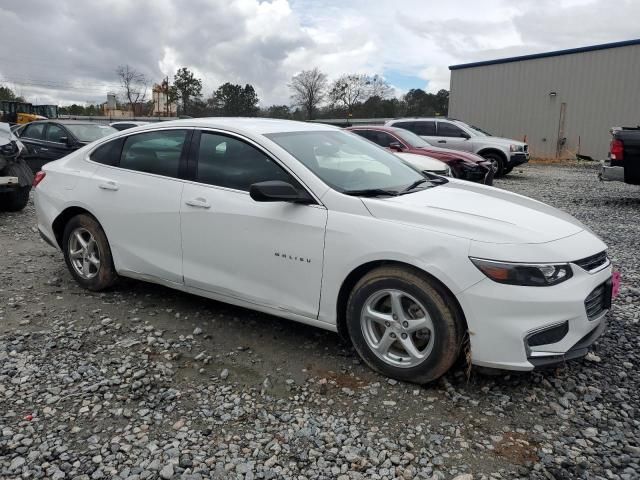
397, 146
465, 135
278, 191
66, 140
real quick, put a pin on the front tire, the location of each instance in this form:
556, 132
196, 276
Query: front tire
87, 253
404, 325
497, 161
16, 200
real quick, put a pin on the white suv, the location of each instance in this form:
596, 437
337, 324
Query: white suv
504, 153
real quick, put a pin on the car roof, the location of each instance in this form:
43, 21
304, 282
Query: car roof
255, 125
382, 128
66, 122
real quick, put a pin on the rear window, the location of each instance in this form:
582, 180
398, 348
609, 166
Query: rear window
426, 128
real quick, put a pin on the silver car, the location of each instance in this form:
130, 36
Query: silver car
504, 153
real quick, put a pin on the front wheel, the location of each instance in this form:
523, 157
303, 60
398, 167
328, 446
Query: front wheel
497, 163
404, 325
87, 253
16, 200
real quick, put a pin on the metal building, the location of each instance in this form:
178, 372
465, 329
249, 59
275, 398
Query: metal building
563, 102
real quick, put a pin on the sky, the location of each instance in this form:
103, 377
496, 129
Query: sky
65, 52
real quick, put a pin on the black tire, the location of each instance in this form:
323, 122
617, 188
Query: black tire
499, 160
508, 170
106, 275
16, 200
448, 327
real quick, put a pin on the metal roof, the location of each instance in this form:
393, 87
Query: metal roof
556, 53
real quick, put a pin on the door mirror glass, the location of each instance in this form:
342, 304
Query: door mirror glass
278, 191
65, 140
395, 146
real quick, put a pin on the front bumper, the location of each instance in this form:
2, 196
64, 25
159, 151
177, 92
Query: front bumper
474, 173
503, 318
518, 158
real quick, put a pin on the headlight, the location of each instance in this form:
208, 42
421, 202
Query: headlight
525, 274
516, 148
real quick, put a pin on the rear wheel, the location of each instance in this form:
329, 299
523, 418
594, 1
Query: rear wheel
508, 170
16, 200
497, 162
403, 325
87, 253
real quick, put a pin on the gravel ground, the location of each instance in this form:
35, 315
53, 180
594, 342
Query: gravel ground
143, 382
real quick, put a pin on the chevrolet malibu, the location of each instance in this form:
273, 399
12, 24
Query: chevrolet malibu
317, 225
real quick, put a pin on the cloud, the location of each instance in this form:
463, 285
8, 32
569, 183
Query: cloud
65, 52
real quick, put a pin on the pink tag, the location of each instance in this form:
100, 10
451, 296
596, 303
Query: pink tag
615, 284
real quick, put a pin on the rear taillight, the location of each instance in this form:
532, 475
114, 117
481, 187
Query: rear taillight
39, 176
616, 150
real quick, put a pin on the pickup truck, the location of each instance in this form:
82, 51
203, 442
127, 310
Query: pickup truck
623, 164
15, 175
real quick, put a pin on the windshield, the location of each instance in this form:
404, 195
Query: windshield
88, 132
346, 162
411, 138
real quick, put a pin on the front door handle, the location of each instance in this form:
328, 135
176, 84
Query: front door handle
109, 186
198, 203
442, 141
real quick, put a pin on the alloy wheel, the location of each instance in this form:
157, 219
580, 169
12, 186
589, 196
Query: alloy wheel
84, 253
397, 328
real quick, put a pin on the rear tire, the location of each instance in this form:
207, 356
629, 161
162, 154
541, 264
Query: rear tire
498, 161
87, 253
508, 170
404, 325
16, 200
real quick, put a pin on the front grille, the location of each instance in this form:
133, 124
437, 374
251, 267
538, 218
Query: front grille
598, 300
526, 147
592, 262
549, 335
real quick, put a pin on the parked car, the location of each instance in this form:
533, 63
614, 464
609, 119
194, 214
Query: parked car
464, 165
15, 175
425, 164
314, 224
623, 164
504, 153
50, 140
126, 124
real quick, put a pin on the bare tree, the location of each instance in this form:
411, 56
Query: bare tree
134, 85
378, 87
350, 89
308, 89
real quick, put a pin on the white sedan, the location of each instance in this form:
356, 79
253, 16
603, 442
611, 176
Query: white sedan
425, 164
317, 225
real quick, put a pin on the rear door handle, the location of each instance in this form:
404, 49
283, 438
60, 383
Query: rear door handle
109, 186
42, 149
442, 141
198, 203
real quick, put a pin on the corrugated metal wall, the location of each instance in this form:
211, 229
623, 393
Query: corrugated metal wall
600, 89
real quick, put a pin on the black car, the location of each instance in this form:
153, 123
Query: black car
50, 140
15, 176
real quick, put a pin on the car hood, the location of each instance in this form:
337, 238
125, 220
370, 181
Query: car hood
449, 154
497, 141
423, 162
477, 212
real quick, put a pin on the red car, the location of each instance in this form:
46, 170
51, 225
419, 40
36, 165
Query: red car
464, 165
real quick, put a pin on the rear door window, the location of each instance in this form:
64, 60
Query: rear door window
425, 128
34, 131
154, 152
406, 125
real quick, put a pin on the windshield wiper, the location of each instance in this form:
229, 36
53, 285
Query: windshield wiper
371, 192
415, 184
